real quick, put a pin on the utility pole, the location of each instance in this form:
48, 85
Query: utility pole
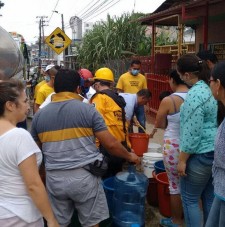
41, 29
62, 23
55, 11
63, 29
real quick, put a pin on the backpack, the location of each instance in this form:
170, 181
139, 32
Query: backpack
119, 100
101, 168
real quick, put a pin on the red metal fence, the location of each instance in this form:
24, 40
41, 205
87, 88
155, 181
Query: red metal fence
157, 83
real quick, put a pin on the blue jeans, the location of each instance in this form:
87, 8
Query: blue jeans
216, 215
195, 186
139, 111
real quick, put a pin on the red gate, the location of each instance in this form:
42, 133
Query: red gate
156, 84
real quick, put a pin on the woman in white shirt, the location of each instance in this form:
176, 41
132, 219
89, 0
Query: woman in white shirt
23, 199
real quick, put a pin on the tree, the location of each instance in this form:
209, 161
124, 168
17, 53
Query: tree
117, 38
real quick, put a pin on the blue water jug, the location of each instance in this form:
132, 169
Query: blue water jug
129, 198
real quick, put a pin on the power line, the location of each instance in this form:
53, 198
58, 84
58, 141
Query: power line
53, 11
89, 8
68, 26
95, 11
84, 7
99, 6
103, 11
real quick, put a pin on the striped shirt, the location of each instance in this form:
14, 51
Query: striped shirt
66, 130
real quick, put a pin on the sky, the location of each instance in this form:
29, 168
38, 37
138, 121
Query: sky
22, 16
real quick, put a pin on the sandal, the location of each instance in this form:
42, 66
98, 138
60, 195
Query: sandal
168, 222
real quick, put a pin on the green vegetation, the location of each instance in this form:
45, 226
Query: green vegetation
112, 43
117, 38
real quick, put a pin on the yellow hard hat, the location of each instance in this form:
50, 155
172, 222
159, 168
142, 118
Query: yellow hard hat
104, 74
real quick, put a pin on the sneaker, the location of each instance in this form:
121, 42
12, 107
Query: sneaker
168, 222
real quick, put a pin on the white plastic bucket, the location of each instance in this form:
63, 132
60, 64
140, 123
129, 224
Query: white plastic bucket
148, 162
154, 147
153, 156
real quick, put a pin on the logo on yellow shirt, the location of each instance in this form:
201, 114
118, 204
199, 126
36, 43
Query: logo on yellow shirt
134, 83
118, 115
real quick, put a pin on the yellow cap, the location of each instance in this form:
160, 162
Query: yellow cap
104, 74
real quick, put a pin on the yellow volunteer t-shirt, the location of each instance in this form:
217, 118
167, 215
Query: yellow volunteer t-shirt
112, 115
44, 91
37, 87
131, 84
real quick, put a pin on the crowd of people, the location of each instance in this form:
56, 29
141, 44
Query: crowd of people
80, 135
193, 142
81, 144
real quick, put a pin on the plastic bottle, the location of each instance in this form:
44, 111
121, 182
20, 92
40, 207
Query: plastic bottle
129, 198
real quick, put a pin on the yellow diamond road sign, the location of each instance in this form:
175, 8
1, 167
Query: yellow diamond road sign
58, 40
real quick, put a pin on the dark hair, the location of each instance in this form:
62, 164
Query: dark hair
57, 67
218, 72
10, 90
164, 94
135, 61
145, 93
207, 55
104, 83
53, 71
220, 112
66, 80
175, 76
191, 63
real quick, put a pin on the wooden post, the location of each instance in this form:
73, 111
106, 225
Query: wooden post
180, 36
153, 47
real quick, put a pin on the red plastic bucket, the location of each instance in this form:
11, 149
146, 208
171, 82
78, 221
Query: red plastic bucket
152, 192
163, 194
139, 143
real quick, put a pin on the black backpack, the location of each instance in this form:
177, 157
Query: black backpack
119, 100
103, 168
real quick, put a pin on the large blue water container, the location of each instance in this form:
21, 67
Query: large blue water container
129, 198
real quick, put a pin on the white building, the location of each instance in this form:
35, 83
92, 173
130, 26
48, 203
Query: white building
76, 26
87, 26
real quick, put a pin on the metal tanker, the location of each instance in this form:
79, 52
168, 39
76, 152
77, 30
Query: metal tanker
11, 58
